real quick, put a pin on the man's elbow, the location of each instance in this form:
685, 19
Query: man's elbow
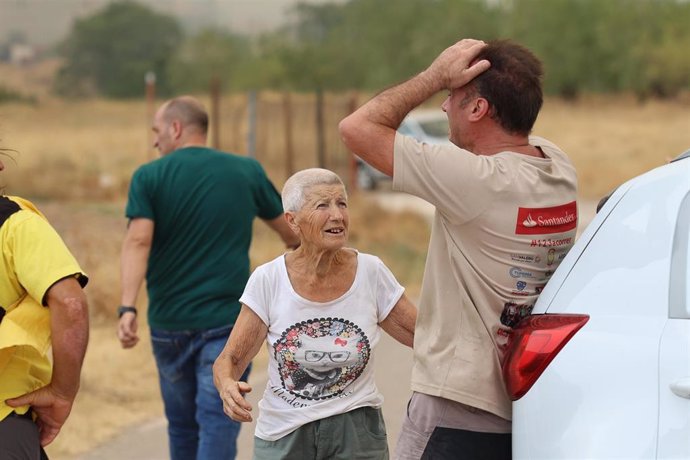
69, 309
138, 241
348, 128
75, 308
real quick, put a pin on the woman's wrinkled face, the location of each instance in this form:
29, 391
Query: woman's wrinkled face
323, 220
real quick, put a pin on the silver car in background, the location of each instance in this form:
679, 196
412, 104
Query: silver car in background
425, 125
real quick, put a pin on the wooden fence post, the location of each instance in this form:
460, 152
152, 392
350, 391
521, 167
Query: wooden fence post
215, 112
352, 106
150, 81
251, 132
320, 130
289, 148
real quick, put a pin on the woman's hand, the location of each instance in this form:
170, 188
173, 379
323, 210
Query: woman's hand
235, 405
244, 343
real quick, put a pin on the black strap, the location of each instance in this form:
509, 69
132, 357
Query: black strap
7, 208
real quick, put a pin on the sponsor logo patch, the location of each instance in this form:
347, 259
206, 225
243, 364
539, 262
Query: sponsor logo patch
548, 242
550, 256
516, 272
526, 258
541, 221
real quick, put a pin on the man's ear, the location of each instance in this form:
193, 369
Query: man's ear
480, 109
177, 129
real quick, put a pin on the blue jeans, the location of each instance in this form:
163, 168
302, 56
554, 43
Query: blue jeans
197, 426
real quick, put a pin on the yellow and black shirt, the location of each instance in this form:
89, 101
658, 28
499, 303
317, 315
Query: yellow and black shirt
34, 257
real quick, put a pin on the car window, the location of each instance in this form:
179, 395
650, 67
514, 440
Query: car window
625, 267
679, 292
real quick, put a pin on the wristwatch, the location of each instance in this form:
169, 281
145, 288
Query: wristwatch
122, 309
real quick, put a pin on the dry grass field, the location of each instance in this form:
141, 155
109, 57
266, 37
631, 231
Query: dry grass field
75, 160
88, 149
612, 139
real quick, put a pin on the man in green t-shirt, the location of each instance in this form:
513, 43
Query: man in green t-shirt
190, 227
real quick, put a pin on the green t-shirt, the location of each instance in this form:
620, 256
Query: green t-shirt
203, 203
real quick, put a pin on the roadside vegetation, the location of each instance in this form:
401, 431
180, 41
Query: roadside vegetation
612, 46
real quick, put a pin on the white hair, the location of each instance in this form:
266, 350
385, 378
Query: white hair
295, 188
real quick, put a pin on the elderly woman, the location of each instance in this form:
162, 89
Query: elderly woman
320, 309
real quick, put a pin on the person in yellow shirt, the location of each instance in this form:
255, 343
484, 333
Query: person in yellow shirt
37, 271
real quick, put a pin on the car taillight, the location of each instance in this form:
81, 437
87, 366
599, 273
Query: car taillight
535, 341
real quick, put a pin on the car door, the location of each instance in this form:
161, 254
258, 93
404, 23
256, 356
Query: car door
674, 349
600, 396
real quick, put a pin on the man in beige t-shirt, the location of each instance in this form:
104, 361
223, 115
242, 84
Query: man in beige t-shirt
505, 217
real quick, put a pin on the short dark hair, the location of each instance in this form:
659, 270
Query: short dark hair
512, 85
189, 110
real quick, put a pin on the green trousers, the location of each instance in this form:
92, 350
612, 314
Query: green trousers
356, 435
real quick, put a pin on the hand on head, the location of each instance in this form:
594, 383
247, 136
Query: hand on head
455, 66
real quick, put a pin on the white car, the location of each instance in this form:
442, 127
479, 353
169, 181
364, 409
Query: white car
601, 369
425, 125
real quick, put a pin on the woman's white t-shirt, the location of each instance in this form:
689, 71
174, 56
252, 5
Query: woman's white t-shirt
320, 353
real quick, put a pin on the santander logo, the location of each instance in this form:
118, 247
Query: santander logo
540, 221
529, 223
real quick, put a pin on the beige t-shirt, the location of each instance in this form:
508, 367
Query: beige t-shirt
502, 225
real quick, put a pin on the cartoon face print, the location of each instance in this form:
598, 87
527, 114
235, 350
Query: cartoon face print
317, 359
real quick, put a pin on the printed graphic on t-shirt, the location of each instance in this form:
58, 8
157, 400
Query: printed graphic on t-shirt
319, 358
542, 221
514, 312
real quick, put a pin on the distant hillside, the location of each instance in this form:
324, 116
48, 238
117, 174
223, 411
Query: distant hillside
44, 22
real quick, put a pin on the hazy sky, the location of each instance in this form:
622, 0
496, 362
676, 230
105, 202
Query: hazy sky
45, 21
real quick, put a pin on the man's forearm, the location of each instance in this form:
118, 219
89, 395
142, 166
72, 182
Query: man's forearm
392, 105
133, 273
69, 323
133, 263
280, 226
370, 131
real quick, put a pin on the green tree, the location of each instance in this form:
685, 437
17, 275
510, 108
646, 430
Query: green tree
562, 34
606, 46
110, 52
660, 57
368, 44
208, 54
304, 52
